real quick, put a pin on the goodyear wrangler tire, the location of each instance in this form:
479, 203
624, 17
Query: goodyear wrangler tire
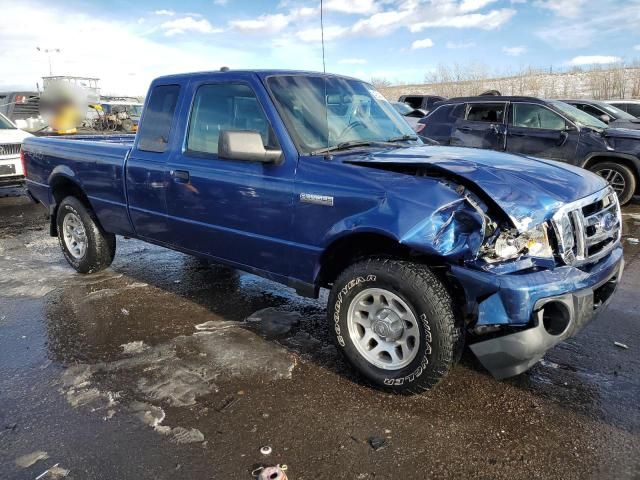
85, 245
394, 322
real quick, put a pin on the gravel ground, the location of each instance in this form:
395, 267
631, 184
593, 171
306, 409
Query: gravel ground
164, 366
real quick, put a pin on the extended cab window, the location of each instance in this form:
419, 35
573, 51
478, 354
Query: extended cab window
225, 106
154, 130
486, 112
528, 115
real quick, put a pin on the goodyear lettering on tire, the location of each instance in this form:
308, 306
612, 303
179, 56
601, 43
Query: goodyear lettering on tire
338, 305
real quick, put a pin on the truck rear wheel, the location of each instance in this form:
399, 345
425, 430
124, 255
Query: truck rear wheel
85, 245
619, 176
394, 322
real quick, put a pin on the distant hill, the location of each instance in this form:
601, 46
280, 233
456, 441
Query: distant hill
597, 83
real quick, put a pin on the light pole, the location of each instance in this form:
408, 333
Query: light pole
49, 51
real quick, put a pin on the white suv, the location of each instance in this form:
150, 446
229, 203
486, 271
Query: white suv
11, 138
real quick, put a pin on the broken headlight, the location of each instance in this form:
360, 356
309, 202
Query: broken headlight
511, 244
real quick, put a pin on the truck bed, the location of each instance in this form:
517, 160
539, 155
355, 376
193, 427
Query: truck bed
94, 162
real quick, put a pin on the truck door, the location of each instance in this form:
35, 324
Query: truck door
146, 165
238, 211
483, 126
537, 130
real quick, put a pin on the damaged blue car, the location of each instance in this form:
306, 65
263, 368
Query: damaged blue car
315, 181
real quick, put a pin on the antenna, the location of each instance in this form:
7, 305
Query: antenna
324, 68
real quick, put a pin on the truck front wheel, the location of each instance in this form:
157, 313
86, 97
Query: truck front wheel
85, 245
394, 322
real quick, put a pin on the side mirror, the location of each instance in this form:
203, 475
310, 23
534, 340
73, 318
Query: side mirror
605, 118
245, 145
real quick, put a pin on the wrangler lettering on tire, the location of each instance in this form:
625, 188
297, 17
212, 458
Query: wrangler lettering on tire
394, 322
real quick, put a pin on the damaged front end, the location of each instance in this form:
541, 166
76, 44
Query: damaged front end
522, 294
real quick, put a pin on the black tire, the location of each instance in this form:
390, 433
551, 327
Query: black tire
100, 245
630, 182
441, 333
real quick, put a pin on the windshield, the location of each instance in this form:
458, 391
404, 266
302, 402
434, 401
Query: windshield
325, 112
615, 112
402, 108
5, 124
578, 116
135, 110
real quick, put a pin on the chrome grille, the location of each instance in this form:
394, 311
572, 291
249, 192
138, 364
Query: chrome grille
588, 229
9, 149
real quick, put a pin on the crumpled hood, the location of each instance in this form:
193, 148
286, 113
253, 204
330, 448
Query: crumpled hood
528, 190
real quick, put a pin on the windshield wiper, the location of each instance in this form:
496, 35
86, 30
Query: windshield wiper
352, 144
403, 138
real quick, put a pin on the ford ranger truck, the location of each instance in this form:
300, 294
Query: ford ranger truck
315, 181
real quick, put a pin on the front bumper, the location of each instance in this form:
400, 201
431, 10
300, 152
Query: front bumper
550, 305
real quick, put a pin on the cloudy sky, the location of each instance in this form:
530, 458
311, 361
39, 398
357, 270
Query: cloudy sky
127, 43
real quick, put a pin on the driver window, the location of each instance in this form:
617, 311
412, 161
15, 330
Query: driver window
536, 116
225, 107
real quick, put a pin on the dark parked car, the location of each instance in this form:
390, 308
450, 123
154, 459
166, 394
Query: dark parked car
423, 102
632, 107
547, 129
410, 114
609, 114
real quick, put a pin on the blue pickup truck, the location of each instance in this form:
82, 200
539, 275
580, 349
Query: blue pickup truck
315, 181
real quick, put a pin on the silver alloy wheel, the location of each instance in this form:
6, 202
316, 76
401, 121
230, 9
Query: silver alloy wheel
74, 234
615, 179
383, 329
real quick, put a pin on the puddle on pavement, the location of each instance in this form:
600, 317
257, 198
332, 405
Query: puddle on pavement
165, 331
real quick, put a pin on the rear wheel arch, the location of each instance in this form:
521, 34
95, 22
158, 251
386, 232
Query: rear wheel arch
61, 187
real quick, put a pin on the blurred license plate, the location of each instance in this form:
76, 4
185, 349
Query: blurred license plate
7, 169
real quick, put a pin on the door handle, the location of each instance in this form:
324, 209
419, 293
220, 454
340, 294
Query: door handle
465, 129
180, 176
517, 134
496, 129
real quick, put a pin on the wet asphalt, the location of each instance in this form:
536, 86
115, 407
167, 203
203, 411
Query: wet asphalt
165, 366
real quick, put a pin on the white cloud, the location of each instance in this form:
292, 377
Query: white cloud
593, 60
562, 8
22, 65
460, 45
636, 47
473, 5
485, 21
220, 3
264, 24
598, 20
352, 6
514, 51
188, 24
424, 43
168, 13
352, 61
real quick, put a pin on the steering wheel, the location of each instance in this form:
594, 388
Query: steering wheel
350, 127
